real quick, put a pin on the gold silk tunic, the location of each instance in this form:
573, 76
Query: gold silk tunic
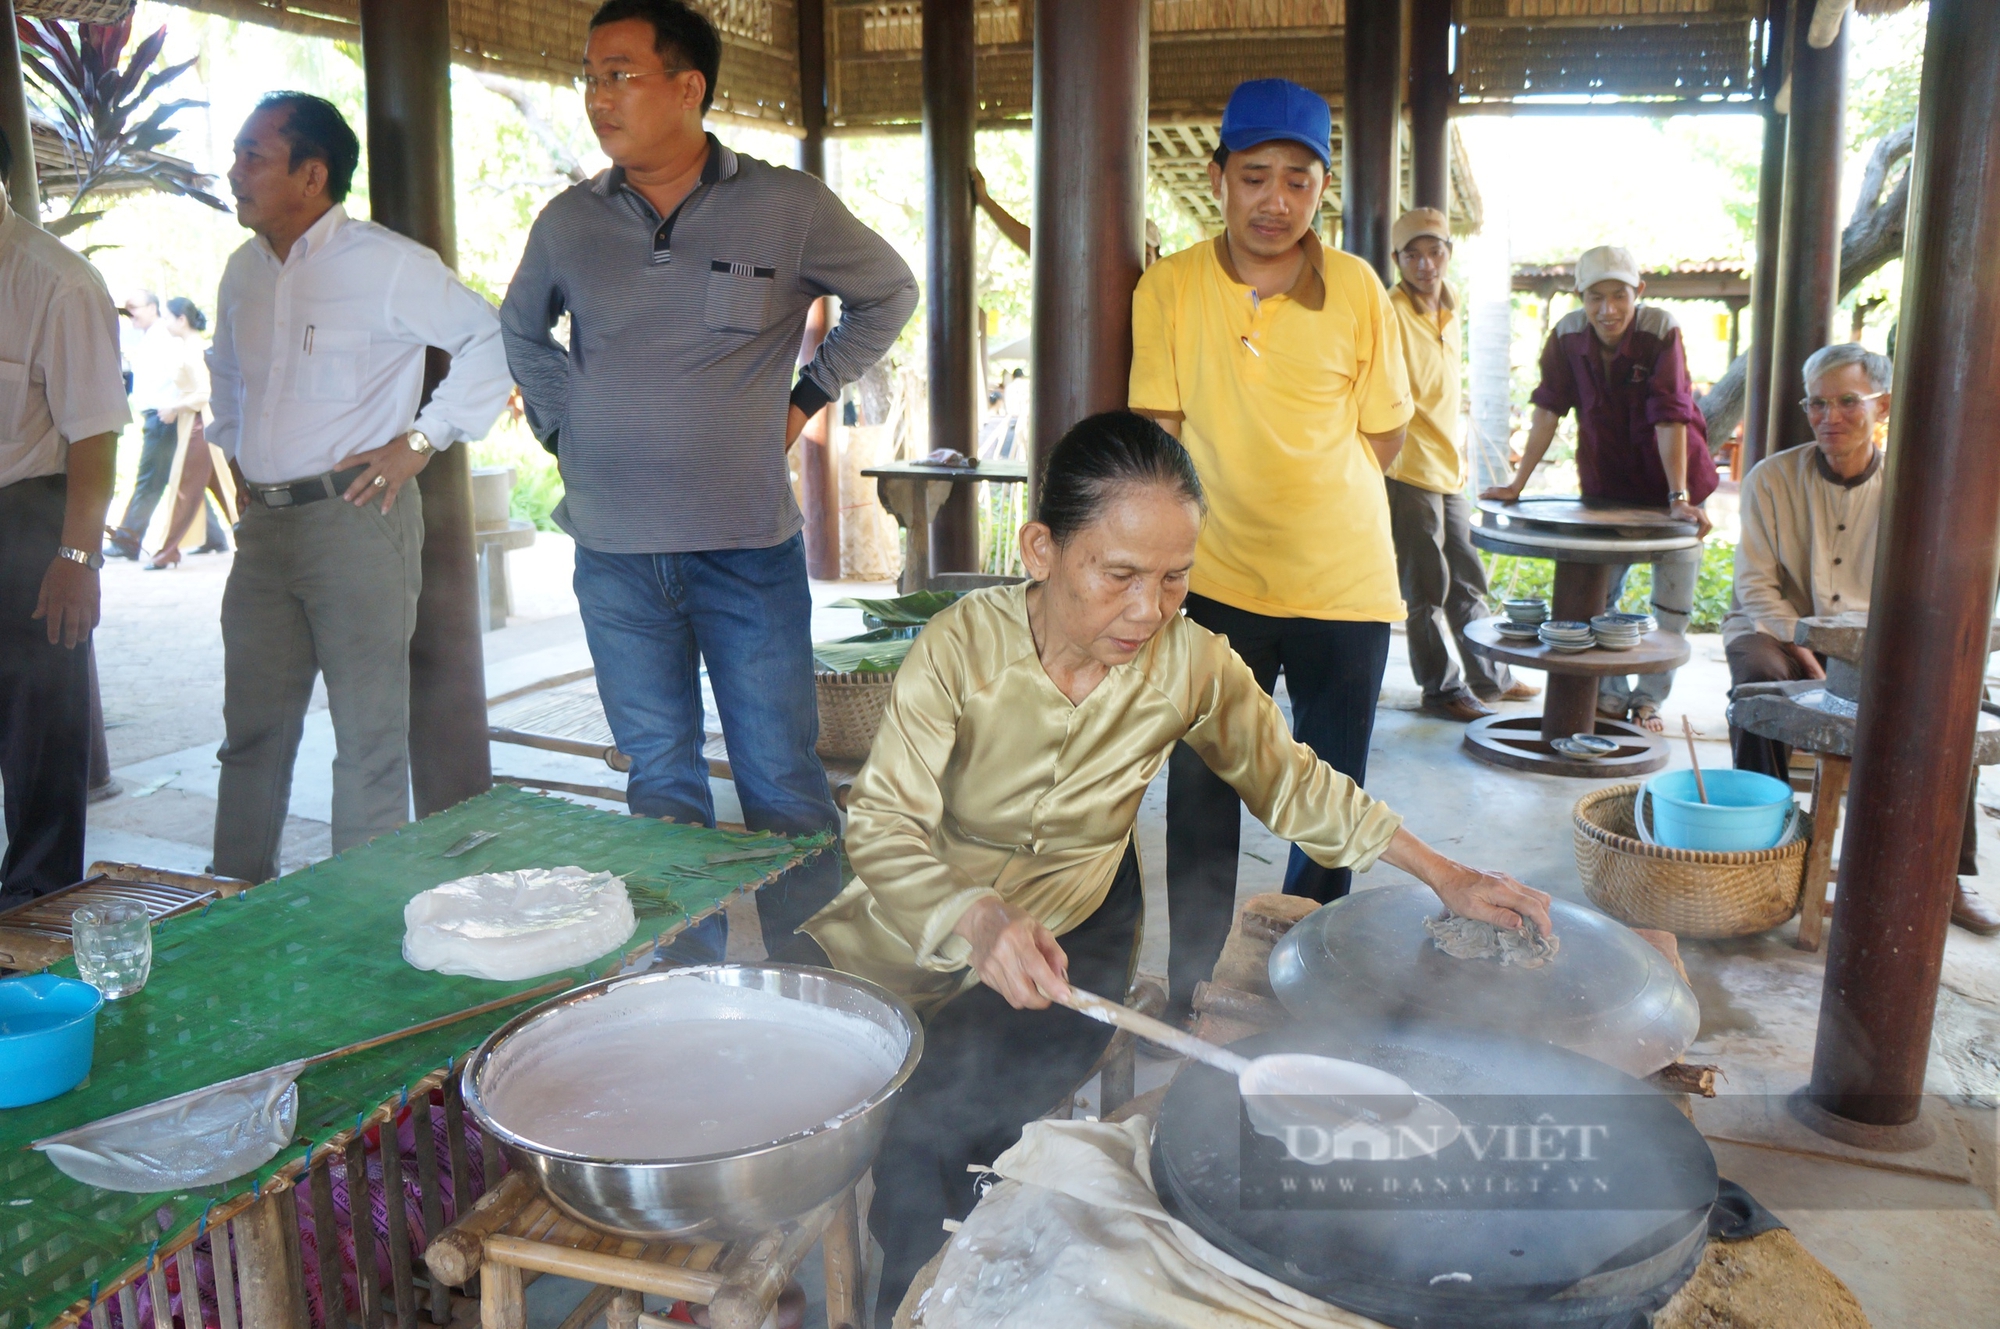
985, 780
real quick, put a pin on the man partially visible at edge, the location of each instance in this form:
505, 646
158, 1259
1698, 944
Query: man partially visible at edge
62, 405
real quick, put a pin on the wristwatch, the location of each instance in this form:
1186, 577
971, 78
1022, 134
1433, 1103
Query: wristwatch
420, 443
91, 561
1677, 496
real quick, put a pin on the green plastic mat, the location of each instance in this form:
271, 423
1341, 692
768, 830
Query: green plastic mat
305, 964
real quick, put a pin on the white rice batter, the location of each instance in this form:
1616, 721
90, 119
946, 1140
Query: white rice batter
684, 1068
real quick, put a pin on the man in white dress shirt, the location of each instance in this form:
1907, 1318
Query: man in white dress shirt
154, 354
62, 403
318, 366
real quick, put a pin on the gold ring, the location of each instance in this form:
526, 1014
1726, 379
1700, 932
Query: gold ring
381, 480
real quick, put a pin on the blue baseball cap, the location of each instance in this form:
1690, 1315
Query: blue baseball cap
1264, 109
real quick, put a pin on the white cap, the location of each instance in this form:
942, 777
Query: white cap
1606, 263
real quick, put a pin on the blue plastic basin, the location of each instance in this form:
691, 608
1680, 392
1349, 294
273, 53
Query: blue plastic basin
47, 1027
1745, 811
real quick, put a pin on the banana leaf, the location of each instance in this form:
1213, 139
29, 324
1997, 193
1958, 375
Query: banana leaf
881, 651
904, 610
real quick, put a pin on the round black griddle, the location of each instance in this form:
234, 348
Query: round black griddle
1574, 1195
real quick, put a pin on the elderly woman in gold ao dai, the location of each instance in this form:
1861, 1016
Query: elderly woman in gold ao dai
995, 813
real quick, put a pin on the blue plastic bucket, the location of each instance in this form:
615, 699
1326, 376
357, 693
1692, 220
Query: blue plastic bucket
1745, 811
47, 1028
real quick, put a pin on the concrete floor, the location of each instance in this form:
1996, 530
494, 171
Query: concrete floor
1919, 1248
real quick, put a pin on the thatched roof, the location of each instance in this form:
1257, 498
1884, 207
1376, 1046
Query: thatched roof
76, 11
543, 39
1200, 49
1507, 50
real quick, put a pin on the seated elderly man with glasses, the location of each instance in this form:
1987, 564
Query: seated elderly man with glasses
1809, 518
1807, 547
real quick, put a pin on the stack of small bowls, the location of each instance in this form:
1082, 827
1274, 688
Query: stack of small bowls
1523, 619
1621, 632
1566, 635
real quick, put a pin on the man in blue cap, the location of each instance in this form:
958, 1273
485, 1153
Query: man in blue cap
1278, 363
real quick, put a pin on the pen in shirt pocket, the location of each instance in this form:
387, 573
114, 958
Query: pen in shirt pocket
310, 329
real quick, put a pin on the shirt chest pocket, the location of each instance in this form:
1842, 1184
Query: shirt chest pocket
739, 296
332, 365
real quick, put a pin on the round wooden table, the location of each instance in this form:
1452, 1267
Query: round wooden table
1585, 539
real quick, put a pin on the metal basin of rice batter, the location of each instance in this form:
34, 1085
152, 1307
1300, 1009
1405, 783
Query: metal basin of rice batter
725, 1196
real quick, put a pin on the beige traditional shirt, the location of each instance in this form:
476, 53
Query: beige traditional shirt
1808, 543
985, 780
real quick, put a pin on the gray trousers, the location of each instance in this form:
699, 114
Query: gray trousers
323, 588
1444, 586
1673, 601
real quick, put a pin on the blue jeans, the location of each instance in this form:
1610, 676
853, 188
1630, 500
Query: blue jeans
650, 620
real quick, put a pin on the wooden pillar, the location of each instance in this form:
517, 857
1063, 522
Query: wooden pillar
21, 188
406, 61
1809, 245
1770, 221
1090, 211
951, 294
1431, 94
1370, 115
819, 485
1933, 599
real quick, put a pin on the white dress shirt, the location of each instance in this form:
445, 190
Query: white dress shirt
59, 374
321, 355
155, 356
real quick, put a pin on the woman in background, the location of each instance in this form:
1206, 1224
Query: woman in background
198, 466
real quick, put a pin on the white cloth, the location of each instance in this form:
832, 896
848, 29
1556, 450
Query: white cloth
59, 375
1807, 545
321, 355
1074, 1235
155, 356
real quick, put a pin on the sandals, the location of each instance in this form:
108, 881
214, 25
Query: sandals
1648, 718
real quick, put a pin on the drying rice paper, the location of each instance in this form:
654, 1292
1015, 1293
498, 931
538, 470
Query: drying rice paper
510, 926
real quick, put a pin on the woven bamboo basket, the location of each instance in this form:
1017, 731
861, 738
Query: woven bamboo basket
850, 711
1682, 891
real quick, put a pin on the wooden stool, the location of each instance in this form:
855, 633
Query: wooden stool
514, 1234
1829, 786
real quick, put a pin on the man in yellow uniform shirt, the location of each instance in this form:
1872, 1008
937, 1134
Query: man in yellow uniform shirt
1444, 583
1278, 364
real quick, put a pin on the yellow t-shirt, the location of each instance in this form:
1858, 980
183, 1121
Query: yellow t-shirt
1431, 458
1272, 396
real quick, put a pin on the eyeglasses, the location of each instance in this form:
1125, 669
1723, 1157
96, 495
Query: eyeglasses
619, 79
1848, 402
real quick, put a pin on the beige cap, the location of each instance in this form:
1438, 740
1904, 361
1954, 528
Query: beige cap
1606, 263
1416, 222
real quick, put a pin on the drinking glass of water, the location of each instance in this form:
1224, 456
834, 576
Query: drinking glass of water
114, 946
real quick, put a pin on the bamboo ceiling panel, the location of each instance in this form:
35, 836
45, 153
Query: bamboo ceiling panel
543, 39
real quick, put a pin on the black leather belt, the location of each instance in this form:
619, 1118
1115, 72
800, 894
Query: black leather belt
301, 492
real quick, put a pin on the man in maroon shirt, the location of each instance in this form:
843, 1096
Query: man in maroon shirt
1641, 440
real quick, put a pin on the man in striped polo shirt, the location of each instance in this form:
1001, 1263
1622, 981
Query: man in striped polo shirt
686, 272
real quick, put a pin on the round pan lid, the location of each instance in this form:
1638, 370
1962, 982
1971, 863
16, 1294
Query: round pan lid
1574, 1194
1606, 994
